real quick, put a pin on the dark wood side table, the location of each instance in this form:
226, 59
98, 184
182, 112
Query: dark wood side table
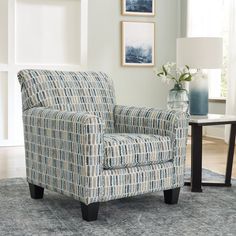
197, 123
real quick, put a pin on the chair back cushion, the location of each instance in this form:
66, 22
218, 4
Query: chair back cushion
90, 92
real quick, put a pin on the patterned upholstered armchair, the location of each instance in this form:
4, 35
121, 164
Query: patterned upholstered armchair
79, 143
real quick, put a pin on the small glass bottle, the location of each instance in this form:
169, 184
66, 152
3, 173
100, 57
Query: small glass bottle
178, 99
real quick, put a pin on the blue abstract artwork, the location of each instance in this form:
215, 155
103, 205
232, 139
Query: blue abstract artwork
138, 43
138, 54
142, 6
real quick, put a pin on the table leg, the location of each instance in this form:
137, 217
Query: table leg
230, 155
196, 159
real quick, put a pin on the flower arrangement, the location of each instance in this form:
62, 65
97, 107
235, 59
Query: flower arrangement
169, 72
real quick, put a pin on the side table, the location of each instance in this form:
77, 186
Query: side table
196, 123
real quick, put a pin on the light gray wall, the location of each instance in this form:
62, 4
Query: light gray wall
216, 108
134, 86
183, 17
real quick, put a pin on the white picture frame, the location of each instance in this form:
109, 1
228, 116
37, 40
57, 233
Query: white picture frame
138, 7
138, 43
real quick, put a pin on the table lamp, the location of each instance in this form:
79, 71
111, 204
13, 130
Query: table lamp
199, 53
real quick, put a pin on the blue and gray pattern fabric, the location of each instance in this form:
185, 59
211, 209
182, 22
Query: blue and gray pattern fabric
70, 91
129, 150
78, 142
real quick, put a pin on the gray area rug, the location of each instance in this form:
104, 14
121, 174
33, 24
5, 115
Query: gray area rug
212, 212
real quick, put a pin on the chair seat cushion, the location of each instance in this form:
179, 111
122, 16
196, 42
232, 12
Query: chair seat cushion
129, 150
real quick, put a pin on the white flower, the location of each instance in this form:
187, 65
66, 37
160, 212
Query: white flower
178, 71
156, 71
169, 73
165, 79
170, 68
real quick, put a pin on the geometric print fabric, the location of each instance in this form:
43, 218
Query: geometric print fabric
78, 142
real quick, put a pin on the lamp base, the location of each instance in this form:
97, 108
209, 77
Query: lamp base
198, 95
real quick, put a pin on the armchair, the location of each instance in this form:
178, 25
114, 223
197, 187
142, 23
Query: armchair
79, 143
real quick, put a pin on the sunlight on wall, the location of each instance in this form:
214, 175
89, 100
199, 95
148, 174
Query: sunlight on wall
210, 18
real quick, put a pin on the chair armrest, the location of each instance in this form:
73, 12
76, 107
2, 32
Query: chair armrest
154, 121
77, 138
161, 122
151, 121
64, 152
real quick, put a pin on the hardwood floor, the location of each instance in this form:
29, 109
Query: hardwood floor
12, 162
214, 155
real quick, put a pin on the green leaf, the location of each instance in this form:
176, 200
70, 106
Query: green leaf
164, 69
161, 73
183, 77
187, 67
189, 78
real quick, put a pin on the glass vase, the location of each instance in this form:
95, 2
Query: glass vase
178, 99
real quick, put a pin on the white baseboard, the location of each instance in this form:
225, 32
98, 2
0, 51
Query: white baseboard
215, 132
212, 131
9, 143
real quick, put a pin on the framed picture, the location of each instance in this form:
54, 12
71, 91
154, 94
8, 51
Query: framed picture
138, 43
138, 7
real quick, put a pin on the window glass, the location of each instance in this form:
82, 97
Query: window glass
210, 18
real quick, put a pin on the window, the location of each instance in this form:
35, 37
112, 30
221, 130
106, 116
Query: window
210, 18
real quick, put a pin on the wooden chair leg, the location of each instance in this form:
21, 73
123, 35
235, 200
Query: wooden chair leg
90, 212
36, 192
171, 196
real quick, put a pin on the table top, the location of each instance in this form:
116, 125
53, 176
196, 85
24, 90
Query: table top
211, 119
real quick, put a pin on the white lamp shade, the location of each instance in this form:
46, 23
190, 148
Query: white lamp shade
200, 53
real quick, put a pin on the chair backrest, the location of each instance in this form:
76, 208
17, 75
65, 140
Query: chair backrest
90, 92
